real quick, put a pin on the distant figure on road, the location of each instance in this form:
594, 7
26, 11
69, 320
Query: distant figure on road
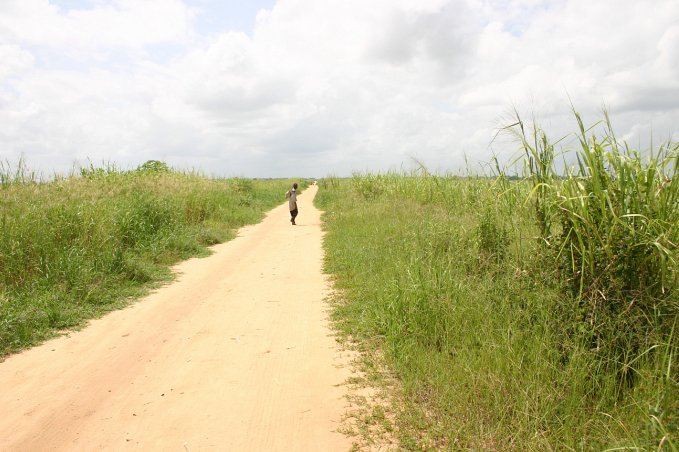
292, 201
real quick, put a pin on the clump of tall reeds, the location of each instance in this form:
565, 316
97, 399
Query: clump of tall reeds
612, 221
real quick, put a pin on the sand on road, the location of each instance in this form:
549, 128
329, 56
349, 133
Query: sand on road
236, 354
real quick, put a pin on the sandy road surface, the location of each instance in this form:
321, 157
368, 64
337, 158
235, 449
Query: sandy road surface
234, 355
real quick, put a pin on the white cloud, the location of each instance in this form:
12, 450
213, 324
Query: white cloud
324, 87
15, 61
117, 23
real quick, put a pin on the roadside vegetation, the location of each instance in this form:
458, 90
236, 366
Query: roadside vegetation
532, 314
75, 247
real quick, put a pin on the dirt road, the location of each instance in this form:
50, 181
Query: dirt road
236, 355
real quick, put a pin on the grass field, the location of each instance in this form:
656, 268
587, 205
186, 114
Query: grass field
517, 315
76, 247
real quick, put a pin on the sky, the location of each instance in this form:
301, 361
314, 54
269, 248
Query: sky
312, 88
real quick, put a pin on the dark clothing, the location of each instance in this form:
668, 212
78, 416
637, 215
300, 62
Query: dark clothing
292, 201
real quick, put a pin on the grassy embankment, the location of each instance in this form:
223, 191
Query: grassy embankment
77, 247
532, 315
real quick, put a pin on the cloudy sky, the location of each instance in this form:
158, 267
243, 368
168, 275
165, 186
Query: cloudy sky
269, 88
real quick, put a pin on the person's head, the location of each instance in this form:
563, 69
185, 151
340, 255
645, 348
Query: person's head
294, 185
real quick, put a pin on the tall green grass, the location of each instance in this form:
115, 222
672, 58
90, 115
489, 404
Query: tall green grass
614, 221
75, 247
475, 292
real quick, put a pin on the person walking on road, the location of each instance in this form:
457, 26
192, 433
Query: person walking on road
292, 202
